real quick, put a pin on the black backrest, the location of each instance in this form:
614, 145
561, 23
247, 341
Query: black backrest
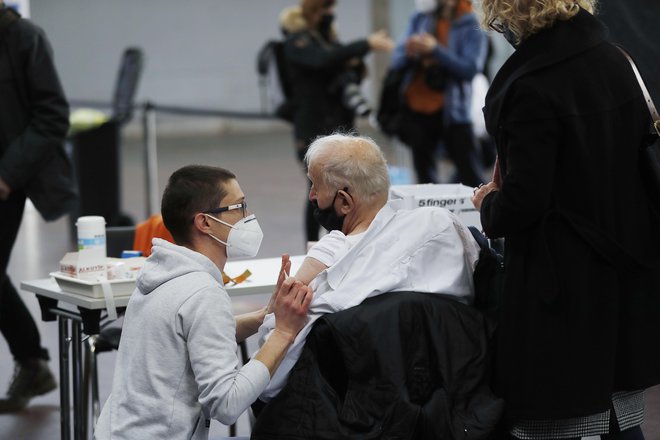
118, 239
130, 70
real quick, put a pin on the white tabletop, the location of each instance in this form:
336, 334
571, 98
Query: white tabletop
263, 279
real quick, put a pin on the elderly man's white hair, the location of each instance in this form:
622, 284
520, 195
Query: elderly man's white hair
353, 161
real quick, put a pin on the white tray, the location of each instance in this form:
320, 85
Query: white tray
92, 289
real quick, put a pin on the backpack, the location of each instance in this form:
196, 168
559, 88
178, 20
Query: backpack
389, 115
274, 81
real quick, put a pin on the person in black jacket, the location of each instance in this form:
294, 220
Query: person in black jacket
580, 319
33, 126
320, 69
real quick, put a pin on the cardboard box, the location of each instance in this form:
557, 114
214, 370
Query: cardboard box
453, 196
79, 265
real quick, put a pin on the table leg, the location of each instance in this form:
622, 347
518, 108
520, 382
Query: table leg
94, 379
76, 360
87, 355
65, 422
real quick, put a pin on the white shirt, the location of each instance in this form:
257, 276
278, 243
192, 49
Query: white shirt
422, 250
332, 246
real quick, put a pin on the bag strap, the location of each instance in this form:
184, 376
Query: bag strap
649, 102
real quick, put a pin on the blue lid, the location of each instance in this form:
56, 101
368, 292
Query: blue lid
131, 254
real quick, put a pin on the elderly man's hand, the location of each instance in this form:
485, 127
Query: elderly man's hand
290, 306
481, 192
5, 190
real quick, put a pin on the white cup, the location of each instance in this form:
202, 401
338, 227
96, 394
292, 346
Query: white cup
91, 248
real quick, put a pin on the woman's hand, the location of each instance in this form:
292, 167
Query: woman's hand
380, 42
497, 174
481, 192
420, 45
5, 190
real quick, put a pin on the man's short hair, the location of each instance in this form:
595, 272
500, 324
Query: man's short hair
353, 161
191, 190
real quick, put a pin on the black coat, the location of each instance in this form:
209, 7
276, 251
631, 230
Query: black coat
34, 121
315, 67
581, 312
398, 366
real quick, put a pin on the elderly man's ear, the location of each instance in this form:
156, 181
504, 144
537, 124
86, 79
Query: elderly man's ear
347, 202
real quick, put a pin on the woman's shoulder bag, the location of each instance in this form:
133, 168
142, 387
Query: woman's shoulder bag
650, 148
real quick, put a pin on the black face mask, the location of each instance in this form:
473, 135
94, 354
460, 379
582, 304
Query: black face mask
326, 24
327, 217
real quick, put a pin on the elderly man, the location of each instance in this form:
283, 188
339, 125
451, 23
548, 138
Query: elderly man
371, 248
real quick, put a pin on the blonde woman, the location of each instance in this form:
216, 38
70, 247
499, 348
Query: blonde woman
580, 319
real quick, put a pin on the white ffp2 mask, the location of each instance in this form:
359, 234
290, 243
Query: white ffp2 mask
244, 237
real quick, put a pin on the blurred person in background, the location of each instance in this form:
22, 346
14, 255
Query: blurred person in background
34, 120
441, 52
325, 76
580, 319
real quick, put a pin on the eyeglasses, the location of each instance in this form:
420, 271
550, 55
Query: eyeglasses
496, 25
242, 206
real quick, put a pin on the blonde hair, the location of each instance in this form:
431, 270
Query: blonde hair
527, 17
292, 20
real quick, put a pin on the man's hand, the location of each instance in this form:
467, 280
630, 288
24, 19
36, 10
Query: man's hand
290, 306
5, 190
285, 270
481, 192
380, 42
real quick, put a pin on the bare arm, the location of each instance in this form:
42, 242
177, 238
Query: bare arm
310, 268
247, 324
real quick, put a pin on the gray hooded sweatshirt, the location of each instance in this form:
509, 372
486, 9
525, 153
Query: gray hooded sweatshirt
177, 366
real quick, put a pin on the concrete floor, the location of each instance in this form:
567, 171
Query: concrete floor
276, 189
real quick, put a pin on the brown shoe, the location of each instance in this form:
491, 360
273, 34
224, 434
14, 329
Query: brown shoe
31, 378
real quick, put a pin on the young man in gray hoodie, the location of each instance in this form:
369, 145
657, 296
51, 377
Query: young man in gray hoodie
177, 366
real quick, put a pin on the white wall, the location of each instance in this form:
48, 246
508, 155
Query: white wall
198, 53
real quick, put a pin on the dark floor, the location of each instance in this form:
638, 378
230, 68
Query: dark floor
276, 189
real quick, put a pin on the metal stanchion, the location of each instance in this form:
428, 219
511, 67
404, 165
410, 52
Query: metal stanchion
79, 412
150, 158
94, 374
65, 422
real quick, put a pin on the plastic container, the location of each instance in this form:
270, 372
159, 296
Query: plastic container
131, 254
91, 248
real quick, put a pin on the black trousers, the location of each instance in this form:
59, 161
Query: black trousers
16, 324
422, 133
